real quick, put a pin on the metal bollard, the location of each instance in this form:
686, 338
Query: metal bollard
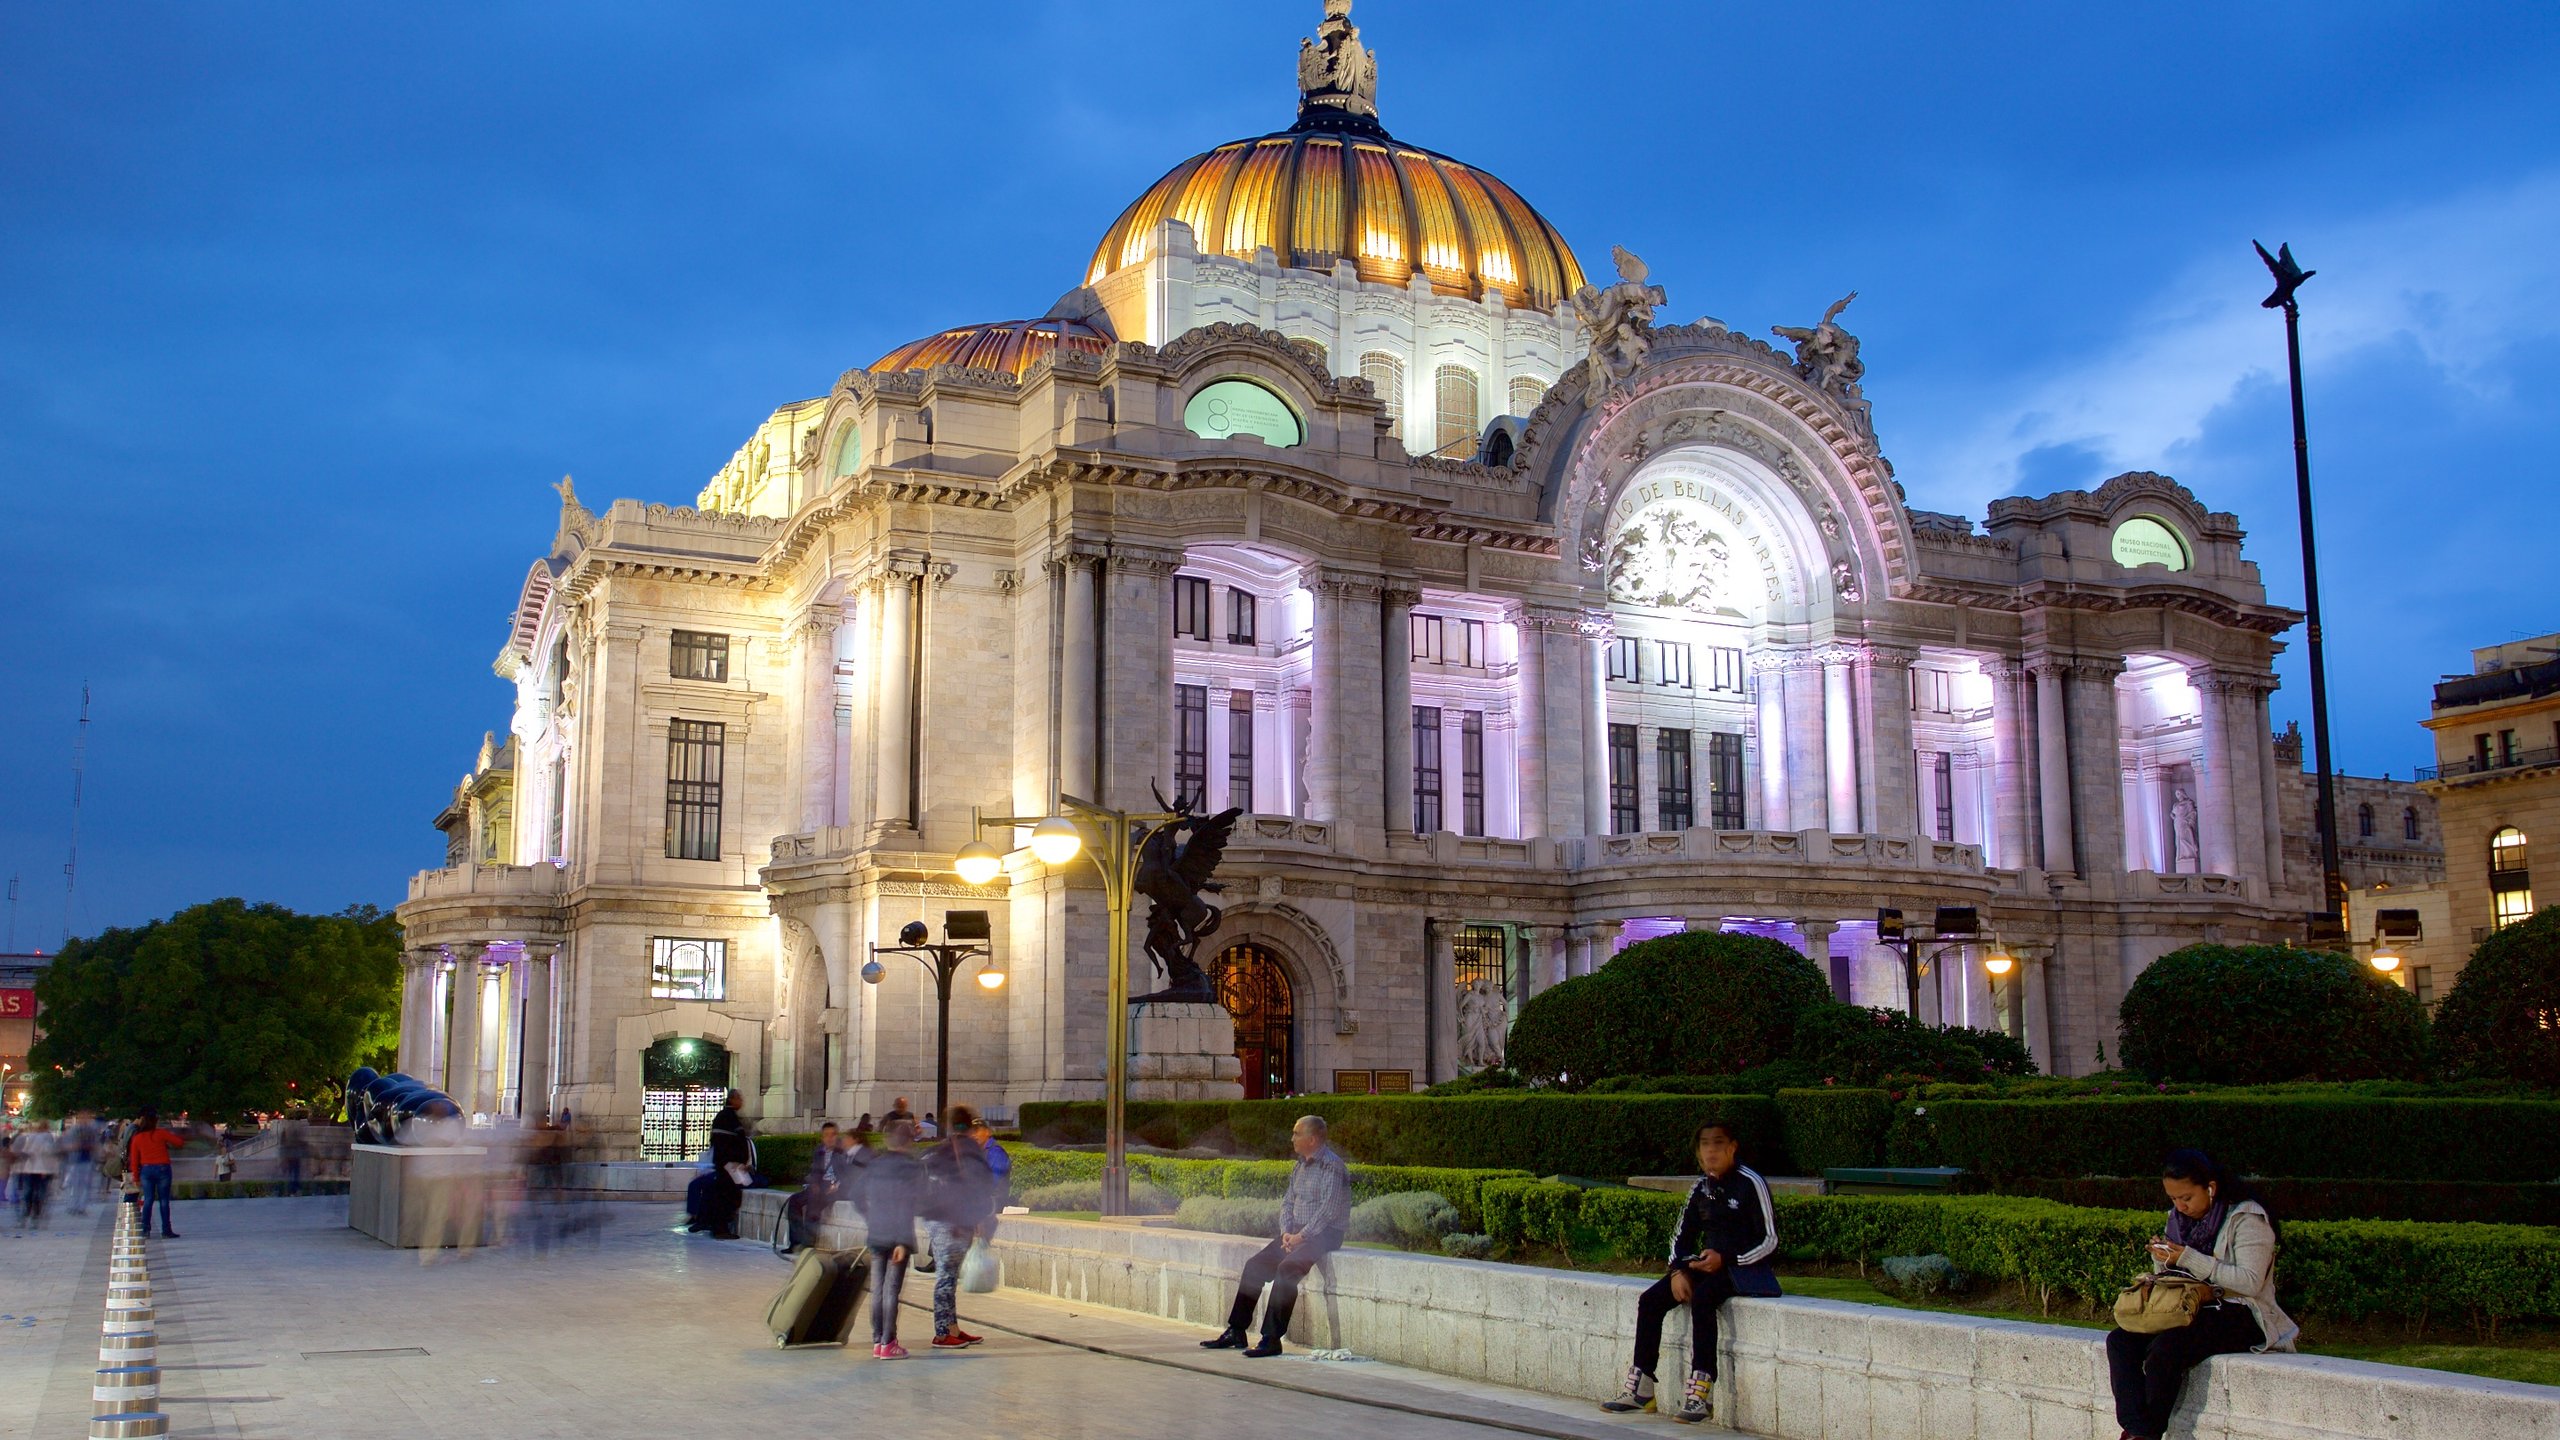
129, 1426
128, 1290
139, 1349
124, 1389
130, 1322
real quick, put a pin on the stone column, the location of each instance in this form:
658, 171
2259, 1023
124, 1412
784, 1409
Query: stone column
1839, 744
417, 1010
1817, 948
2033, 1000
1531, 755
1396, 656
2053, 767
1769, 738
893, 714
1440, 986
1808, 798
1533, 962
1886, 788
1344, 746
1599, 630
2217, 787
462, 1059
535, 1085
1220, 706
2271, 782
2013, 766
1077, 666
619, 771
816, 637
2097, 769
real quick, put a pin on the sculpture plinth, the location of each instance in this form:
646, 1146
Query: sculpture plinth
1183, 1052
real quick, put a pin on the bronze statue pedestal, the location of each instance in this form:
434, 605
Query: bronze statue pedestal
1183, 1052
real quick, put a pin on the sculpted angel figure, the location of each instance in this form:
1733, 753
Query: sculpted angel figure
1826, 354
1620, 321
1483, 1020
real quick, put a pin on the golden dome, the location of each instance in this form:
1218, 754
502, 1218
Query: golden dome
1333, 190
1010, 346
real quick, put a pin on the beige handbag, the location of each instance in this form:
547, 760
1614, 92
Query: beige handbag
2160, 1302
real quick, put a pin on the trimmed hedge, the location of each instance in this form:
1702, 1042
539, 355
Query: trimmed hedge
1829, 1128
2437, 1201
1186, 1179
248, 1189
2358, 1137
1695, 1003
783, 1160
1541, 1132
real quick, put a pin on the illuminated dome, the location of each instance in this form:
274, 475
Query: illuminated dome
1010, 346
1336, 186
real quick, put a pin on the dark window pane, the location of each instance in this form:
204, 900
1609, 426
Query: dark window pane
1623, 817
696, 655
1426, 769
1471, 771
1677, 797
1240, 749
1191, 743
1724, 780
693, 789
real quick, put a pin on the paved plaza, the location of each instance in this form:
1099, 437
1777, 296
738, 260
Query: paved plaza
277, 1320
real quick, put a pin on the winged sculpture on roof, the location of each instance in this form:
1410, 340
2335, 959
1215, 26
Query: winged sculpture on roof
1175, 863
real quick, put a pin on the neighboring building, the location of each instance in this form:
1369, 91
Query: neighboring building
2496, 782
18, 1030
2388, 833
1517, 639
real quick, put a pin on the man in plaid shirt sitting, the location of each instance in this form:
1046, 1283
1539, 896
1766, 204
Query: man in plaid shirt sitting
1313, 1214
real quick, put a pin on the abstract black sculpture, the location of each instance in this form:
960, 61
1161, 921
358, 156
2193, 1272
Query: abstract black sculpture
380, 1106
1175, 862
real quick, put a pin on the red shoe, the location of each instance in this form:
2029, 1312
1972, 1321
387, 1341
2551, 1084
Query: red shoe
966, 1338
953, 1341
891, 1351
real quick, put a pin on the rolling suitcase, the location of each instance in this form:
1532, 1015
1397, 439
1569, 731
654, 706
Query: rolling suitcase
822, 1299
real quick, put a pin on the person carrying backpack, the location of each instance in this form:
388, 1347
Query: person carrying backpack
960, 1191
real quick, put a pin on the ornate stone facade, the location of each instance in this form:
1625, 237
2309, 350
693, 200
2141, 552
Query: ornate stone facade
1680, 655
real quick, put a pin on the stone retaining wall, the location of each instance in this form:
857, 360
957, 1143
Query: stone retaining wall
1815, 1369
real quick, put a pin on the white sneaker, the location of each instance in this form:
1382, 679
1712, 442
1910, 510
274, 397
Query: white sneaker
1697, 1399
1637, 1394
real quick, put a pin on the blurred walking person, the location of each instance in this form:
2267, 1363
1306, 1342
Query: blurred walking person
147, 1158
80, 1162
959, 1194
293, 1148
39, 1160
733, 1159
886, 1191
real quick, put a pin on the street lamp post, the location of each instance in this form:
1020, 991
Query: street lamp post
1955, 924
1056, 840
2329, 924
965, 936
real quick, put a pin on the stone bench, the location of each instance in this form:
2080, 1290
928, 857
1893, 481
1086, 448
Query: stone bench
1815, 1369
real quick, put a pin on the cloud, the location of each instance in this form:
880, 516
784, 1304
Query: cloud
2459, 283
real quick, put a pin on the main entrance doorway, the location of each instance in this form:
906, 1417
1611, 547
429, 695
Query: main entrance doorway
1255, 990
683, 1084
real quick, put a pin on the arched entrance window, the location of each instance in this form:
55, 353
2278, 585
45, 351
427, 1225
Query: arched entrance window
1255, 990
683, 1083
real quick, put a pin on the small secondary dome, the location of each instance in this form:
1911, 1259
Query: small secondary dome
1335, 186
1009, 346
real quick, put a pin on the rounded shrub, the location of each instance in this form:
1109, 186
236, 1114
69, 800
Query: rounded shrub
2502, 1019
1144, 1199
2250, 1014
1852, 1045
1413, 1219
1695, 1003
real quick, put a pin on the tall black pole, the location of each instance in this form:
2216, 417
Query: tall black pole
942, 970
2330, 926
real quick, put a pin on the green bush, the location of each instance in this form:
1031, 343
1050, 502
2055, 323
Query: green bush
2496, 1022
1035, 1168
1258, 1218
1541, 1132
783, 1160
1467, 1247
1522, 1213
2238, 1014
1144, 1198
1857, 1046
1836, 1126
1414, 1219
1695, 1003
1479, 1082
2346, 1137
2440, 1201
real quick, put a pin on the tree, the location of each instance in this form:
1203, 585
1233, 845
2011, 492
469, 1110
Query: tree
2502, 1018
222, 1008
1695, 1003
2252, 1014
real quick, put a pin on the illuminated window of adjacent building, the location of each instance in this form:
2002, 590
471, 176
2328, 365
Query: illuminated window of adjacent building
1190, 608
1240, 750
1458, 420
1526, 392
2364, 822
693, 789
1426, 769
698, 655
2510, 881
1482, 952
685, 969
1724, 780
1239, 616
1385, 374
1677, 800
1623, 816
1191, 743
2422, 983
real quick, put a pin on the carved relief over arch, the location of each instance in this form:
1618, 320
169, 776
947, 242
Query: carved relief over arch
1299, 936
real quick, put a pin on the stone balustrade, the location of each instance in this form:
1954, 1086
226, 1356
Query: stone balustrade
487, 882
1814, 1369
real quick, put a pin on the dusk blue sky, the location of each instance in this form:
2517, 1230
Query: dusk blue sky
303, 309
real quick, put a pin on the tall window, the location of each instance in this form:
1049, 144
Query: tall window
1724, 780
1239, 616
1385, 374
1455, 433
1471, 773
1932, 691
1526, 392
1240, 750
1676, 670
682, 969
1448, 640
1190, 608
2364, 822
698, 655
693, 789
1678, 800
1482, 952
1724, 668
1426, 769
1622, 659
2510, 882
555, 830
1942, 795
1623, 816
1191, 743
2409, 823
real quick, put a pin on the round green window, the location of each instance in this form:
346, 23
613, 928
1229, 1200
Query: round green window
1240, 407
2145, 540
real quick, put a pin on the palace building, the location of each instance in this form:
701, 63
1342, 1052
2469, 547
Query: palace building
1339, 491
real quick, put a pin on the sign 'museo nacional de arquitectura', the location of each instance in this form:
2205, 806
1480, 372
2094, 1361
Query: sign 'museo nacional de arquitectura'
1337, 491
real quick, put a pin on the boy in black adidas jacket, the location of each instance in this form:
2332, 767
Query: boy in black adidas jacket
1728, 1232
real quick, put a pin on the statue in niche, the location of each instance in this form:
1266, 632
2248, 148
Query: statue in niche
2184, 857
1483, 1023
1175, 862
1827, 357
1336, 71
1669, 559
1620, 321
